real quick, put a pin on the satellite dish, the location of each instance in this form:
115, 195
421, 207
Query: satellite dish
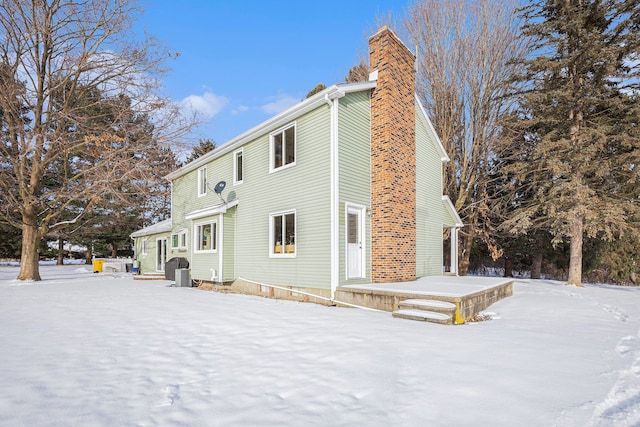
219, 187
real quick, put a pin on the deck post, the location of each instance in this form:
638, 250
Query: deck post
454, 251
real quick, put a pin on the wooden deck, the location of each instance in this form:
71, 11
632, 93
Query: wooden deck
469, 294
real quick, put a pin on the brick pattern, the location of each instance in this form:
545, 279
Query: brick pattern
393, 160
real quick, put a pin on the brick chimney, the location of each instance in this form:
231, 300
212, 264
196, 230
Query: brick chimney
393, 160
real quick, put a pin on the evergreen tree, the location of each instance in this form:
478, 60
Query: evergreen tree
203, 147
580, 161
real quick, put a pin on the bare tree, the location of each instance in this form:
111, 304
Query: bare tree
71, 77
465, 50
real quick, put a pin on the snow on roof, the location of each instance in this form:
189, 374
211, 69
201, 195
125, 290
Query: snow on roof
159, 227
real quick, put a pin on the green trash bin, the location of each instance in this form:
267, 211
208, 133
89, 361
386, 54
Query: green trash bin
97, 265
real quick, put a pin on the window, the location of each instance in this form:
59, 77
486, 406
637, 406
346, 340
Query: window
283, 234
283, 148
238, 167
205, 235
144, 247
202, 181
179, 240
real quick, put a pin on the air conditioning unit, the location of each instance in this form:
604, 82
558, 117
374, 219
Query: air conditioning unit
183, 278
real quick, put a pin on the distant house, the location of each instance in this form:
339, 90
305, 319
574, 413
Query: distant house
343, 188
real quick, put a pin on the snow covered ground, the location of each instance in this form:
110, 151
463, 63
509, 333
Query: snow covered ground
84, 349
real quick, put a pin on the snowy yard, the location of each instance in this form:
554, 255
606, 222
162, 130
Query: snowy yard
79, 349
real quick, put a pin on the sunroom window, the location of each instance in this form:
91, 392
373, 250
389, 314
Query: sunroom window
205, 237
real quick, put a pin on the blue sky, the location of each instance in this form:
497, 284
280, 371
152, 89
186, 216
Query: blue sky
241, 62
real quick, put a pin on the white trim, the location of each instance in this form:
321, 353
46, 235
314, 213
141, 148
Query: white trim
335, 191
212, 210
272, 243
446, 201
282, 131
161, 262
202, 189
235, 167
275, 122
220, 251
361, 211
454, 251
444, 157
196, 237
179, 234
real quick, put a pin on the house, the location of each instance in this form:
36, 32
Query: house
343, 188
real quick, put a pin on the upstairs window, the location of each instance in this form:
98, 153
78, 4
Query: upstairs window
283, 234
205, 235
238, 167
202, 181
283, 148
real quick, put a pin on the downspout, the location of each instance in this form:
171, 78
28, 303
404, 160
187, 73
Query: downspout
220, 247
332, 101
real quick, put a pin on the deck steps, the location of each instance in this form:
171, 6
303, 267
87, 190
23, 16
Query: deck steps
426, 310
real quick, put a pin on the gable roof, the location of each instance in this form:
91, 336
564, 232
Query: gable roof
309, 104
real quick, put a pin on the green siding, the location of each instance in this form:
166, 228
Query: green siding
354, 134
429, 211
303, 187
148, 260
229, 239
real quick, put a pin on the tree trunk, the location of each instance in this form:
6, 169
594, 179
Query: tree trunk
508, 266
575, 253
466, 253
536, 266
60, 260
30, 256
88, 255
114, 250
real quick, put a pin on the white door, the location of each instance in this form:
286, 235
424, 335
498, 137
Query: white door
161, 253
355, 250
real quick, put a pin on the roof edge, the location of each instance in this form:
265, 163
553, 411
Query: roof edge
274, 122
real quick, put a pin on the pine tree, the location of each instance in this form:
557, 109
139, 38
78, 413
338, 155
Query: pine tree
580, 113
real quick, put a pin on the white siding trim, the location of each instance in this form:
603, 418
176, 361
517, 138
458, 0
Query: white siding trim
335, 194
444, 157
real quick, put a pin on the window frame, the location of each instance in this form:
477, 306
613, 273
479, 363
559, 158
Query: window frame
202, 186
237, 153
197, 240
182, 240
272, 241
272, 150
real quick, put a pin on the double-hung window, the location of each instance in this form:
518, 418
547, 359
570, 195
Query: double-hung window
238, 167
283, 148
202, 181
205, 236
283, 234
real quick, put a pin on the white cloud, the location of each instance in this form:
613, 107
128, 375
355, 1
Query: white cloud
278, 103
207, 105
240, 109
